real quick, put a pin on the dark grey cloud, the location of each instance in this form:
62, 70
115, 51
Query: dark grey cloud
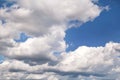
75, 73
16, 70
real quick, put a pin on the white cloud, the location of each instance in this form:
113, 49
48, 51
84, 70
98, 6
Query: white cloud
46, 21
39, 48
37, 17
83, 63
91, 58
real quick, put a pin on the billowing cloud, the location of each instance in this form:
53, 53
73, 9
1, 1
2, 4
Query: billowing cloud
39, 49
37, 17
46, 22
83, 63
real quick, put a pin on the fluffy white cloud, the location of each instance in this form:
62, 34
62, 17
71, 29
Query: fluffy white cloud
91, 58
39, 48
46, 21
84, 63
37, 17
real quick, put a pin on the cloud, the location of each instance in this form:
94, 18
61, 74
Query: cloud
46, 22
40, 49
37, 17
83, 63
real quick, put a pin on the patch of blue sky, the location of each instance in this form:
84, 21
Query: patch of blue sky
103, 29
23, 37
2, 21
6, 3
2, 58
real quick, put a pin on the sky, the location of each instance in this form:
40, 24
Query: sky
48, 37
103, 29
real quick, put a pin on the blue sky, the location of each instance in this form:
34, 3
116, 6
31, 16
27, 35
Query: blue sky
5, 3
22, 37
103, 29
1, 59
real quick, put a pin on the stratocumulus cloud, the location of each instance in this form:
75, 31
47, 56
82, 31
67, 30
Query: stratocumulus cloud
46, 22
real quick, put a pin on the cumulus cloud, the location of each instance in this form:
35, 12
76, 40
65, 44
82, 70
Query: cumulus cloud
46, 22
39, 48
37, 17
94, 63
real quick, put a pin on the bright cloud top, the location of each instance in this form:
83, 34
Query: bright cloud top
46, 22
